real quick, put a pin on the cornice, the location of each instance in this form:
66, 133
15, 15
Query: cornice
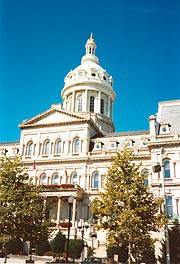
76, 160
153, 144
31, 121
87, 84
24, 126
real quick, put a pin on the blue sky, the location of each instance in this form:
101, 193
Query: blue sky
138, 43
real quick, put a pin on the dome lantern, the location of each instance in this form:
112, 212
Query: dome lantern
90, 51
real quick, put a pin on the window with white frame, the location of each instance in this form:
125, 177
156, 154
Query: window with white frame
55, 179
74, 178
29, 148
79, 103
169, 206
102, 106
91, 104
44, 179
69, 104
58, 146
145, 172
95, 180
76, 145
46, 147
167, 173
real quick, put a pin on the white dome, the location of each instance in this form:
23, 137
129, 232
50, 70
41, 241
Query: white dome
88, 90
89, 71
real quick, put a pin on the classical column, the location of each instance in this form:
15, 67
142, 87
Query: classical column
86, 102
73, 102
58, 210
99, 102
74, 212
108, 107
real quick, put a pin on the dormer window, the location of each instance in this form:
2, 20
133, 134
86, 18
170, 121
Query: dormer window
164, 128
98, 145
129, 143
114, 145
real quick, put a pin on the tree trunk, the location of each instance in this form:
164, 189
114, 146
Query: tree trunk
129, 253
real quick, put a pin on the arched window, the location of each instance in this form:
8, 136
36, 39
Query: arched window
76, 145
167, 173
58, 147
44, 179
95, 182
46, 147
79, 102
74, 178
145, 172
91, 105
29, 148
169, 206
69, 104
55, 179
102, 106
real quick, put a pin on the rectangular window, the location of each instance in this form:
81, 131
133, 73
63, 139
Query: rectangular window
92, 104
169, 206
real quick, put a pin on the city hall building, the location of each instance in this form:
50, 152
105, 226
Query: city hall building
68, 148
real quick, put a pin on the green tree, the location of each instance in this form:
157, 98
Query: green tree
58, 243
174, 245
126, 208
22, 211
75, 248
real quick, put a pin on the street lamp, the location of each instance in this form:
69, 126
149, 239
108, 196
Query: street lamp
70, 202
81, 227
160, 168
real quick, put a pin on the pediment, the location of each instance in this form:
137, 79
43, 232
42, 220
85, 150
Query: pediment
52, 116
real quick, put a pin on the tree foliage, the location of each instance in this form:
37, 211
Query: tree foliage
127, 208
22, 211
174, 245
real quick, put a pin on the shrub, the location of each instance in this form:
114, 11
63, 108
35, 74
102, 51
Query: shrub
42, 247
14, 246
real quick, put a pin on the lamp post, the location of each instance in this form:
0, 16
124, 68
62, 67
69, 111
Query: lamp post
70, 202
160, 168
81, 227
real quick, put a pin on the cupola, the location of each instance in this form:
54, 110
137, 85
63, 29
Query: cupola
88, 90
